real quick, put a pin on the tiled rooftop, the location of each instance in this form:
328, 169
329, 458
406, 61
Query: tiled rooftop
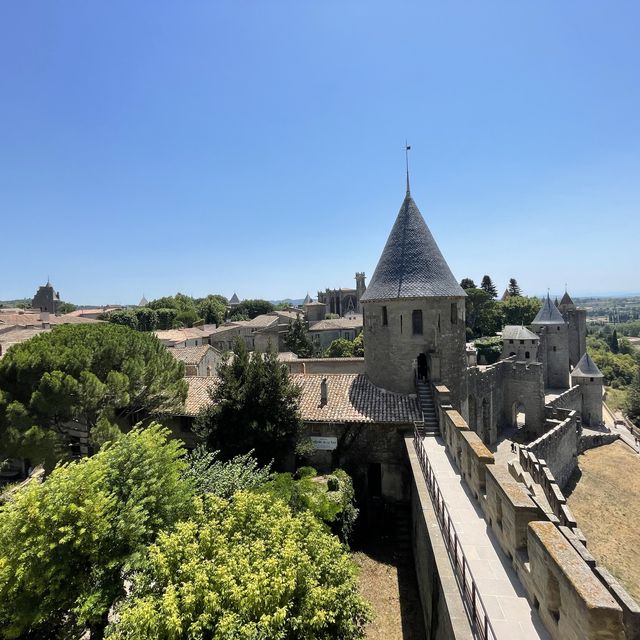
514, 332
411, 264
336, 323
351, 398
191, 355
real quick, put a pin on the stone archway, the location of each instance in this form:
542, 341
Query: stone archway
518, 415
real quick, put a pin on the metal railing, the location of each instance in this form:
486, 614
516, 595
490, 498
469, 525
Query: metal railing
476, 610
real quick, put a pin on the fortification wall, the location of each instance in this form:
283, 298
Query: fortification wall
547, 552
524, 385
559, 447
444, 613
486, 401
570, 399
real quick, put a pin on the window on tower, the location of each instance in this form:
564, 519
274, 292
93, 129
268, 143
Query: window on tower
454, 313
385, 319
416, 322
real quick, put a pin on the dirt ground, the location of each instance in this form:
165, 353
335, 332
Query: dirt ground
606, 504
390, 587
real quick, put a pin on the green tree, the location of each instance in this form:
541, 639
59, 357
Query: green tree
186, 318
208, 474
66, 307
467, 283
297, 339
245, 569
633, 398
74, 376
254, 308
147, 319
483, 314
513, 287
520, 310
68, 545
488, 286
253, 407
166, 318
340, 348
124, 317
212, 309
613, 342
358, 345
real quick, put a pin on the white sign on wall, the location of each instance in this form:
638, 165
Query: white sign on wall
321, 443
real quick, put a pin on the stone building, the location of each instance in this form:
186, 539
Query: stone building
199, 361
344, 301
323, 333
520, 342
46, 299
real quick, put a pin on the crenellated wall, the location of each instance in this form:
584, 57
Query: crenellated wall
559, 446
576, 600
570, 399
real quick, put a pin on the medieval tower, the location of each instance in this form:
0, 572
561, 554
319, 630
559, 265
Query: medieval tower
414, 312
554, 345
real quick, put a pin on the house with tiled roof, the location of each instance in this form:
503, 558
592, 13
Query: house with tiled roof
324, 332
200, 361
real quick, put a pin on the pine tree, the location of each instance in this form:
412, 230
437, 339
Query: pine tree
613, 342
513, 287
488, 286
297, 339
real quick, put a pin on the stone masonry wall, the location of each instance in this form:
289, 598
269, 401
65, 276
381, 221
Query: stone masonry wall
558, 447
571, 399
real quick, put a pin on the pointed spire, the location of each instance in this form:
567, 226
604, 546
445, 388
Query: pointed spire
407, 148
549, 313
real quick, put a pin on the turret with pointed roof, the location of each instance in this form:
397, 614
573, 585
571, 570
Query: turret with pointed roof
591, 381
411, 264
413, 307
235, 301
143, 301
307, 300
548, 314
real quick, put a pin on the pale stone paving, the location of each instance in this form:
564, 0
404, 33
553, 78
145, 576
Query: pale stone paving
509, 611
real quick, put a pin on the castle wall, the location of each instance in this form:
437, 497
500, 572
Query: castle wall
554, 354
523, 386
591, 392
486, 401
392, 349
559, 447
570, 399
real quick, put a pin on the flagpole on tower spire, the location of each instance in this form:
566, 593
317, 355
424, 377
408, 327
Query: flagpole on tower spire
407, 148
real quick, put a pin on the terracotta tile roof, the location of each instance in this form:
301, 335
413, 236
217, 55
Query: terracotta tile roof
35, 319
191, 355
12, 334
336, 323
351, 398
79, 313
198, 394
180, 335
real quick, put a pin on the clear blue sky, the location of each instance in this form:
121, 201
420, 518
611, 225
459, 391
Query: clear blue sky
257, 146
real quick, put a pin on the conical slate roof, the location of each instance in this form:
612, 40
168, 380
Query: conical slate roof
411, 265
548, 314
234, 299
307, 300
566, 300
143, 302
587, 367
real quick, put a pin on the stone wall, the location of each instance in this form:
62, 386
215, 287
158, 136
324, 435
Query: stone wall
547, 553
523, 385
559, 447
326, 365
444, 613
570, 399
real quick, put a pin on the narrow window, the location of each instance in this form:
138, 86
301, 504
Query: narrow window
554, 348
400, 324
590, 379
374, 480
385, 319
526, 354
521, 341
416, 322
510, 341
454, 313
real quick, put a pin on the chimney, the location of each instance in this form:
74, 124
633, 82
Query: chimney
324, 392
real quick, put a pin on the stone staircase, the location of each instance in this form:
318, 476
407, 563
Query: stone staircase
425, 398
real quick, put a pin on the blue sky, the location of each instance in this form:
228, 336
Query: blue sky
257, 146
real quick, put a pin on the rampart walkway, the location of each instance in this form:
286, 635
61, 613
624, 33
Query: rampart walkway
503, 596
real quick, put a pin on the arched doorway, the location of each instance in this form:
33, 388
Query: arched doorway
518, 415
423, 370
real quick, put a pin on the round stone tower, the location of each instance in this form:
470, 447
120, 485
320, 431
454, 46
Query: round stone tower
587, 375
414, 312
554, 345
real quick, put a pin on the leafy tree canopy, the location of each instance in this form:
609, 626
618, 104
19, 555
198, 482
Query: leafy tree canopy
77, 375
254, 406
66, 307
67, 545
297, 339
245, 569
484, 315
340, 348
254, 308
520, 310
467, 283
